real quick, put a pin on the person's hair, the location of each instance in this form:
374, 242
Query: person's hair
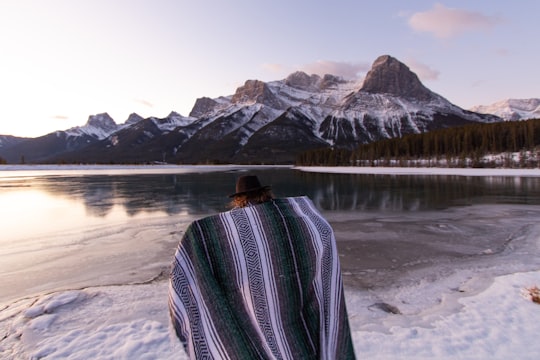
251, 198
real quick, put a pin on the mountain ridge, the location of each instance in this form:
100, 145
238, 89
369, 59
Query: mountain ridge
263, 122
512, 109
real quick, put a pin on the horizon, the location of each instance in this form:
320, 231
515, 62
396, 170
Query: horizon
66, 61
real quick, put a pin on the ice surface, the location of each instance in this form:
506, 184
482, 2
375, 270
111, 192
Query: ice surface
44, 170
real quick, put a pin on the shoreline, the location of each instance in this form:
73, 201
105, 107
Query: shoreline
169, 168
58, 170
419, 171
92, 322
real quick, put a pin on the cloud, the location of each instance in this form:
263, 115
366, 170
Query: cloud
346, 70
445, 22
60, 117
144, 102
423, 71
502, 52
275, 68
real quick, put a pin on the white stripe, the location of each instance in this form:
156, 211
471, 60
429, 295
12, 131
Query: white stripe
329, 312
334, 295
272, 300
180, 314
242, 272
237, 254
215, 345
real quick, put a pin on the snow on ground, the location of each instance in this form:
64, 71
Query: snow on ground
44, 170
6, 170
499, 323
130, 322
115, 322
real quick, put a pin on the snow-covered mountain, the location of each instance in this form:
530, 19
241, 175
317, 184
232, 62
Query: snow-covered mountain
270, 122
172, 121
99, 126
512, 109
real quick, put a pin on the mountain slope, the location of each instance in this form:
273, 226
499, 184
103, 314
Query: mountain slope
392, 102
43, 148
9, 140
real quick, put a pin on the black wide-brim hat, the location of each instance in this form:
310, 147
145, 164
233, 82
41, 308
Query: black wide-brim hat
248, 183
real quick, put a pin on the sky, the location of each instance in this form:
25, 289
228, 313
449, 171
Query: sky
64, 60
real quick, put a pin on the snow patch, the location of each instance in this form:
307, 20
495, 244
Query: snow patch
131, 322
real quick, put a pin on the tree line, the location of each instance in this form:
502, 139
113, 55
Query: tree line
501, 144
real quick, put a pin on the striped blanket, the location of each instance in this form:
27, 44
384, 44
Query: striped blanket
260, 282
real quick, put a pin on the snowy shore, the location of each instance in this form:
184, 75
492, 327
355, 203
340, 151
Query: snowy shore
130, 322
163, 168
420, 171
59, 170
466, 315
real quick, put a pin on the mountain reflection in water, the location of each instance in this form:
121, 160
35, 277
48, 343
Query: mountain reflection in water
207, 193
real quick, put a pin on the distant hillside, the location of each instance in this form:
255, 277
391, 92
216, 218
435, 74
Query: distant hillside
8, 140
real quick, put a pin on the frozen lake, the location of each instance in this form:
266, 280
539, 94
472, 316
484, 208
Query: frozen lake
64, 229
435, 264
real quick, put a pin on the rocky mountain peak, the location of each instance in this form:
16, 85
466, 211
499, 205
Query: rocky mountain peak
98, 126
101, 121
252, 90
303, 81
330, 81
256, 91
174, 114
390, 76
203, 106
134, 118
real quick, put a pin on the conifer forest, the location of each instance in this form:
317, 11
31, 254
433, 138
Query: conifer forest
511, 144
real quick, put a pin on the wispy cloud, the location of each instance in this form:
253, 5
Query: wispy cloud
346, 70
444, 22
502, 52
144, 102
276, 68
423, 71
60, 117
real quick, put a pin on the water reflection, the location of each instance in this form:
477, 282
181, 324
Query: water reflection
204, 193
96, 228
414, 193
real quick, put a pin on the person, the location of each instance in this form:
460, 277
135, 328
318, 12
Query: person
260, 281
